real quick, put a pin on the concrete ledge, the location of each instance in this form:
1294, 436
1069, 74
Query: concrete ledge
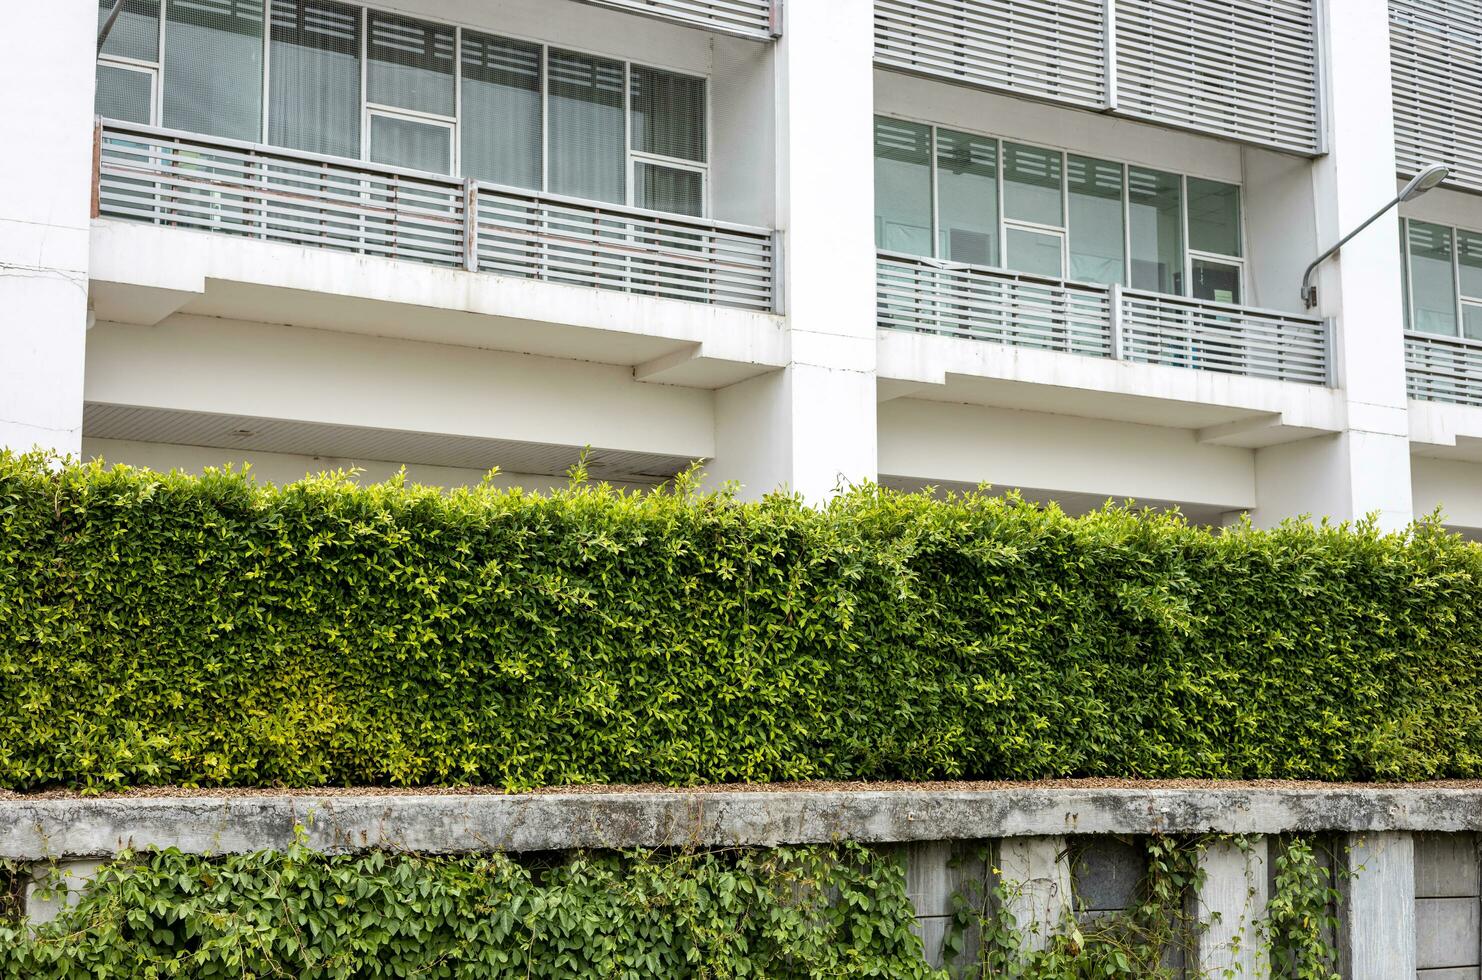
42, 829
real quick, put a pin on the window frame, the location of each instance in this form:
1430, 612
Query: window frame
367, 108
1460, 299
1064, 230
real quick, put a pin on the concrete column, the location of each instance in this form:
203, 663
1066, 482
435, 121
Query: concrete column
813, 424
1379, 909
935, 872
1366, 468
55, 887
46, 65
1232, 902
1036, 879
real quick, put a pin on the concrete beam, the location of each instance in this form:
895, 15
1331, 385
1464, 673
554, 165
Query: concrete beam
42, 829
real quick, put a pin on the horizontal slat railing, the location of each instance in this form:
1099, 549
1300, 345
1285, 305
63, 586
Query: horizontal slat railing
1443, 369
208, 184
1011, 308
538, 236
1179, 332
758, 19
987, 304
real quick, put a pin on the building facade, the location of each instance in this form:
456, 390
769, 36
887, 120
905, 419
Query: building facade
1051, 245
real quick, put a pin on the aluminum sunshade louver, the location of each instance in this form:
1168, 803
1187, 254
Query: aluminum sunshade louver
1052, 49
1436, 53
746, 18
1240, 69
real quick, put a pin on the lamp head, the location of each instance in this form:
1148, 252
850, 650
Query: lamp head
1424, 181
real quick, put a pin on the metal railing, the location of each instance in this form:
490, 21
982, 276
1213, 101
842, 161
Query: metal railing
931, 296
203, 183
1443, 369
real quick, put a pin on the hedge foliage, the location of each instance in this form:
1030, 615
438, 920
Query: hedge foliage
173, 629
791, 913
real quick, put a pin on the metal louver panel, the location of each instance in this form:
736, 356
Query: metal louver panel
1243, 69
745, 18
1050, 49
1436, 54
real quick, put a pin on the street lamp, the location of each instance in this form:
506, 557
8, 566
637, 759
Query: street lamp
1419, 184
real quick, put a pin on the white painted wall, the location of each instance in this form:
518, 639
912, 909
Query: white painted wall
939, 441
825, 163
1452, 485
201, 364
46, 77
287, 467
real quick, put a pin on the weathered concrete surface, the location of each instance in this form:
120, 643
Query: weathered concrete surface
55, 828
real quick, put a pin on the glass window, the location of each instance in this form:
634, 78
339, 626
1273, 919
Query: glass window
1432, 287
314, 73
1471, 321
1039, 253
410, 65
136, 32
902, 186
668, 114
1214, 217
967, 198
1097, 239
1031, 185
1216, 281
1155, 226
1469, 263
500, 123
588, 138
402, 142
124, 94
213, 67
671, 189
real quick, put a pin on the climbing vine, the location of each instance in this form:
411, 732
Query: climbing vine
1301, 921
1151, 939
784, 913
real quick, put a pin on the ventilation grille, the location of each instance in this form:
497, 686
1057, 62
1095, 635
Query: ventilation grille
1436, 53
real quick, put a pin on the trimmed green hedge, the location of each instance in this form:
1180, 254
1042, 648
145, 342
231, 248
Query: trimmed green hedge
792, 913
170, 629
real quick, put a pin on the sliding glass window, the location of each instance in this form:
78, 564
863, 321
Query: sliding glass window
344, 80
1443, 280
903, 193
978, 200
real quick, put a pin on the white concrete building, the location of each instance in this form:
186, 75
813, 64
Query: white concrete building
1055, 245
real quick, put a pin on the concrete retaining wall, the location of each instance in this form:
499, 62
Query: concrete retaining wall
1413, 895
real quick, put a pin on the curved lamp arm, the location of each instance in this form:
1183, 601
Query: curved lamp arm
1427, 178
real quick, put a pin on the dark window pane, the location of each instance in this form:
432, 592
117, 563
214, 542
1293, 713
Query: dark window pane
1032, 185
902, 186
1097, 240
1216, 281
661, 188
411, 143
1432, 285
668, 114
410, 64
1155, 225
1214, 217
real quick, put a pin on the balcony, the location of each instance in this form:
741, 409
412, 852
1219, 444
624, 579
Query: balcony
175, 179
1443, 369
1015, 309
